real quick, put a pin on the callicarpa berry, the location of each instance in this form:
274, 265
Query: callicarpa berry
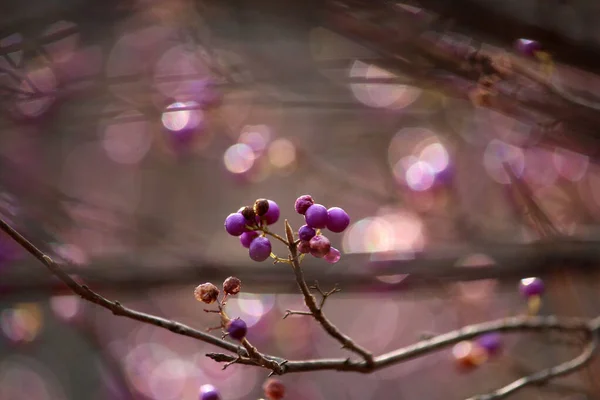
333, 256
316, 216
206, 293
237, 329
527, 47
260, 249
261, 206
306, 233
232, 285
235, 224
274, 389
304, 247
531, 287
337, 220
247, 237
302, 203
209, 392
319, 246
491, 342
272, 215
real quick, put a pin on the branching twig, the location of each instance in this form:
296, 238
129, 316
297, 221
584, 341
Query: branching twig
316, 311
249, 355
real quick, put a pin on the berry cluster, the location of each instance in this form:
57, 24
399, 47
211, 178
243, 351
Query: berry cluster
251, 223
247, 223
209, 293
470, 354
318, 217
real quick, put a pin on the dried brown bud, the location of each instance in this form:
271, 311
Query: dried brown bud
274, 389
261, 206
232, 285
249, 213
206, 293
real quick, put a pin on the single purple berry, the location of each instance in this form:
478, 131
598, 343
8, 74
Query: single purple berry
302, 203
237, 329
491, 342
528, 47
337, 219
235, 224
304, 247
272, 214
531, 287
260, 249
247, 237
209, 392
316, 216
333, 256
306, 233
319, 246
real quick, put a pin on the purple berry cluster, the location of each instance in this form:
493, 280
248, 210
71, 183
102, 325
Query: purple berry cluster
317, 217
247, 224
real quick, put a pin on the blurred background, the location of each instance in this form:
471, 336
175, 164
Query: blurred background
130, 130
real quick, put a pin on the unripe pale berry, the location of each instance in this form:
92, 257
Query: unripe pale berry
247, 237
260, 249
274, 389
319, 246
306, 233
232, 285
302, 203
209, 392
304, 247
316, 216
235, 224
337, 219
333, 256
206, 293
237, 329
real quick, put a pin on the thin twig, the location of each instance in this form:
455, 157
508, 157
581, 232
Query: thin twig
117, 308
317, 312
292, 312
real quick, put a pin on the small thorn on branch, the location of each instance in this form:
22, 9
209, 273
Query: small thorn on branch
280, 369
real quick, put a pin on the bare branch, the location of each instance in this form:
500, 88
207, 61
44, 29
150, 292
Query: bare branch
316, 311
114, 306
292, 312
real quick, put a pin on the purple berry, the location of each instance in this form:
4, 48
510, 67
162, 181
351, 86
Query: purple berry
260, 249
333, 256
337, 220
237, 329
209, 392
272, 214
235, 224
247, 237
531, 287
302, 203
316, 216
491, 342
304, 247
306, 233
528, 47
319, 246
